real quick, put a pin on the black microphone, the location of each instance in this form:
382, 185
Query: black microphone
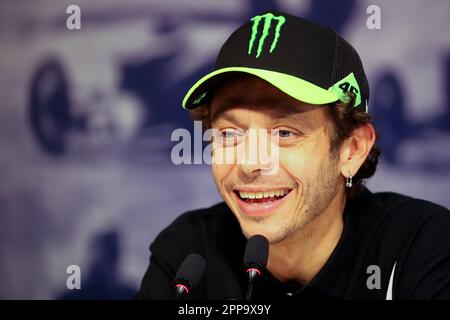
189, 274
255, 260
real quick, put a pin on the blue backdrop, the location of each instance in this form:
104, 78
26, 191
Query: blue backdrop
86, 117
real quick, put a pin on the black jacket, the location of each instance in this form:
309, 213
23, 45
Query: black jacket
381, 230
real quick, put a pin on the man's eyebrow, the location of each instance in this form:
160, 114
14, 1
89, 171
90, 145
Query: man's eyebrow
299, 118
226, 116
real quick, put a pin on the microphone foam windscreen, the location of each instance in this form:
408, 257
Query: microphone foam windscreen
257, 251
192, 269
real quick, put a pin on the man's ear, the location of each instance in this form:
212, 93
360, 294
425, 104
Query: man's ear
354, 149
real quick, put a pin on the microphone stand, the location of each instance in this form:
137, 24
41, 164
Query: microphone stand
248, 296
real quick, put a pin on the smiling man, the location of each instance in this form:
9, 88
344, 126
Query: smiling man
300, 200
302, 88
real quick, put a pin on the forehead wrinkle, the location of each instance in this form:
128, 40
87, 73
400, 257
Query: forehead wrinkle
276, 108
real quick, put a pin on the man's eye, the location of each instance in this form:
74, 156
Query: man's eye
227, 134
230, 134
284, 134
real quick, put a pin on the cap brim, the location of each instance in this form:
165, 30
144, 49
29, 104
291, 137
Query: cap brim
297, 88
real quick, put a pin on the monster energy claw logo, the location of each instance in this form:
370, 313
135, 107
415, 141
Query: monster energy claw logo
268, 18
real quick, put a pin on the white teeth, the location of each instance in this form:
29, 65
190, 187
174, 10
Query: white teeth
260, 195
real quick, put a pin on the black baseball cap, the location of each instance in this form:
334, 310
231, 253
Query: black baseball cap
305, 60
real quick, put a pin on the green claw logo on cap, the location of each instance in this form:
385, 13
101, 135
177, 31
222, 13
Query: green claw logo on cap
268, 18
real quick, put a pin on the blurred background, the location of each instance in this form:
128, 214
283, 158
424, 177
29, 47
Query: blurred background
86, 116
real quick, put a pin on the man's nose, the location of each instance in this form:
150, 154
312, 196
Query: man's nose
256, 159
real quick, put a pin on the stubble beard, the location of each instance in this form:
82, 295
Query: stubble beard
316, 197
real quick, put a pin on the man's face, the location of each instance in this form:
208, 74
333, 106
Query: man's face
283, 204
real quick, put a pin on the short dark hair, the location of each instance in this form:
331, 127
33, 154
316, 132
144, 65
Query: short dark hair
344, 119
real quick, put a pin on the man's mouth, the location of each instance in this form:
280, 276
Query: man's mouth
262, 197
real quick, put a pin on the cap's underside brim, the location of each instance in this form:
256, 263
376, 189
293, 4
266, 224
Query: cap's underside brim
297, 88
